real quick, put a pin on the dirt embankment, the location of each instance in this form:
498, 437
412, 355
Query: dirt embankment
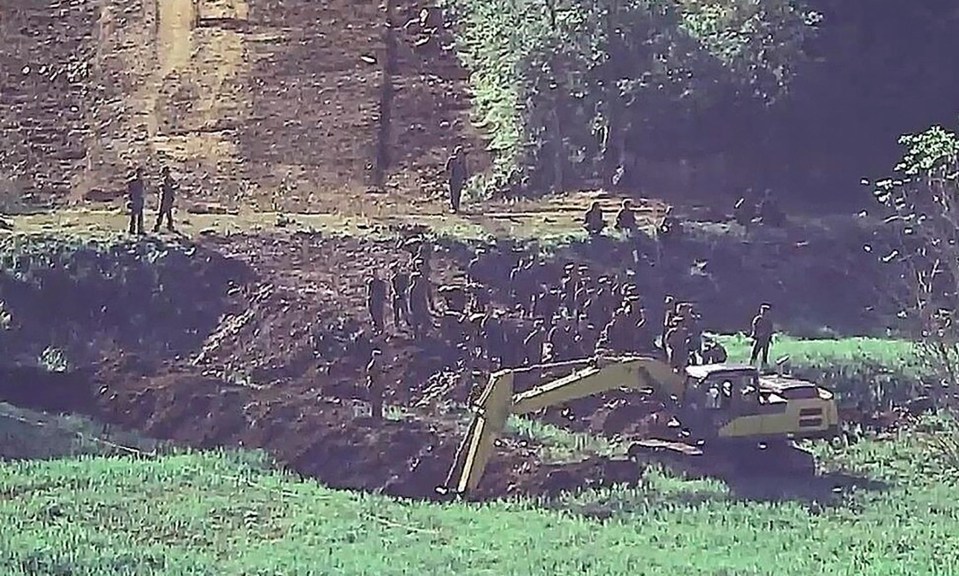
261, 342
254, 103
46, 59
258, 350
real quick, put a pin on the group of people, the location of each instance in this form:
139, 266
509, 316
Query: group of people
136, 200
586, 314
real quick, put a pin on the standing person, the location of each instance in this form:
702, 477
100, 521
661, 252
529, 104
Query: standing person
376, 301
593, 220
677, 345
374, 385
568, 290
494, 338
135, 192
695, 329
456, 174
669, 310
167, 189
626, 218
420, 304
533, 346
400, 283
762, 335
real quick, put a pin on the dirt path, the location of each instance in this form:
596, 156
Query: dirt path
550, 220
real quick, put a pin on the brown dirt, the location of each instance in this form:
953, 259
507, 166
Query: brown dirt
279, 372
255, 103
262, 351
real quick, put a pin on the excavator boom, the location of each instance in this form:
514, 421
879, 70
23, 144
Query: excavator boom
498, 402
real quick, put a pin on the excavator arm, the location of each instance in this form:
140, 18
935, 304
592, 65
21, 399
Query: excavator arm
498, 402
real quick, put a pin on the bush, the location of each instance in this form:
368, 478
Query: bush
566, 94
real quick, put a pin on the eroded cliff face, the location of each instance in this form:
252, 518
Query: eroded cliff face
261, 103
48, 51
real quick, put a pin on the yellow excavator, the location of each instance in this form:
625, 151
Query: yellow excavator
726, 408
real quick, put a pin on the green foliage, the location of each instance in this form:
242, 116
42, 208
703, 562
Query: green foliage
922, 201
5, 317
53, 360
560, 87
869, 373
225, 515
559, 444
928, 151
941, 434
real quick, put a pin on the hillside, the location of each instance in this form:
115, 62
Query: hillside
253, 102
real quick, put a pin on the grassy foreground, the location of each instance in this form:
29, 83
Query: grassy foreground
226, 514
871, 373
230, 514
849, 353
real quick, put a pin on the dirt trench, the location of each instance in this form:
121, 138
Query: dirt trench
261, 342
209, 376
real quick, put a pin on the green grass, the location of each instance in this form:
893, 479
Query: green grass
558, 444
870, 372
894, 355
226, 514
230, 514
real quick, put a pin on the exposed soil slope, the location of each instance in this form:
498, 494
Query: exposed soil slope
254, 103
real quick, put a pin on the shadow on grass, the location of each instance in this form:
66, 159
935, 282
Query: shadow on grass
826, 489
816, 493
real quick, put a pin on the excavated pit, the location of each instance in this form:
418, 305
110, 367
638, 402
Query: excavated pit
206, 376
259, 342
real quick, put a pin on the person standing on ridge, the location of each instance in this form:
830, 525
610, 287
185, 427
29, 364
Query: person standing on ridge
167, 189
761, 335
456, 173
135, 192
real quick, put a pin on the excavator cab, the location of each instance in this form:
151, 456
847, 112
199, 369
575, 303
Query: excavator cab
754, 406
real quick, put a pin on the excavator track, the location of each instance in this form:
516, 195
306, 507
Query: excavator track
723, 459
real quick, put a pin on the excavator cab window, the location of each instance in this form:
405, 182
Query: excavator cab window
730, 392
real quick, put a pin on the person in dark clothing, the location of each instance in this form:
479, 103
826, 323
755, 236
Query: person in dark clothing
677, 344
568, 290
593, 221
626, 218
400, 284
669, 311
374, 385
135, 193
456, 173
713, 352
376, 301
420, 304
762, 335
167, 190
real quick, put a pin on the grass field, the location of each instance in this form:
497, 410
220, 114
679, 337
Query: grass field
226, 514
848, 353
870, 372
231, 514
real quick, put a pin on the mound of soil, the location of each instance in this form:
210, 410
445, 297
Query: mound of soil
261, 342
315, 436
156, 298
